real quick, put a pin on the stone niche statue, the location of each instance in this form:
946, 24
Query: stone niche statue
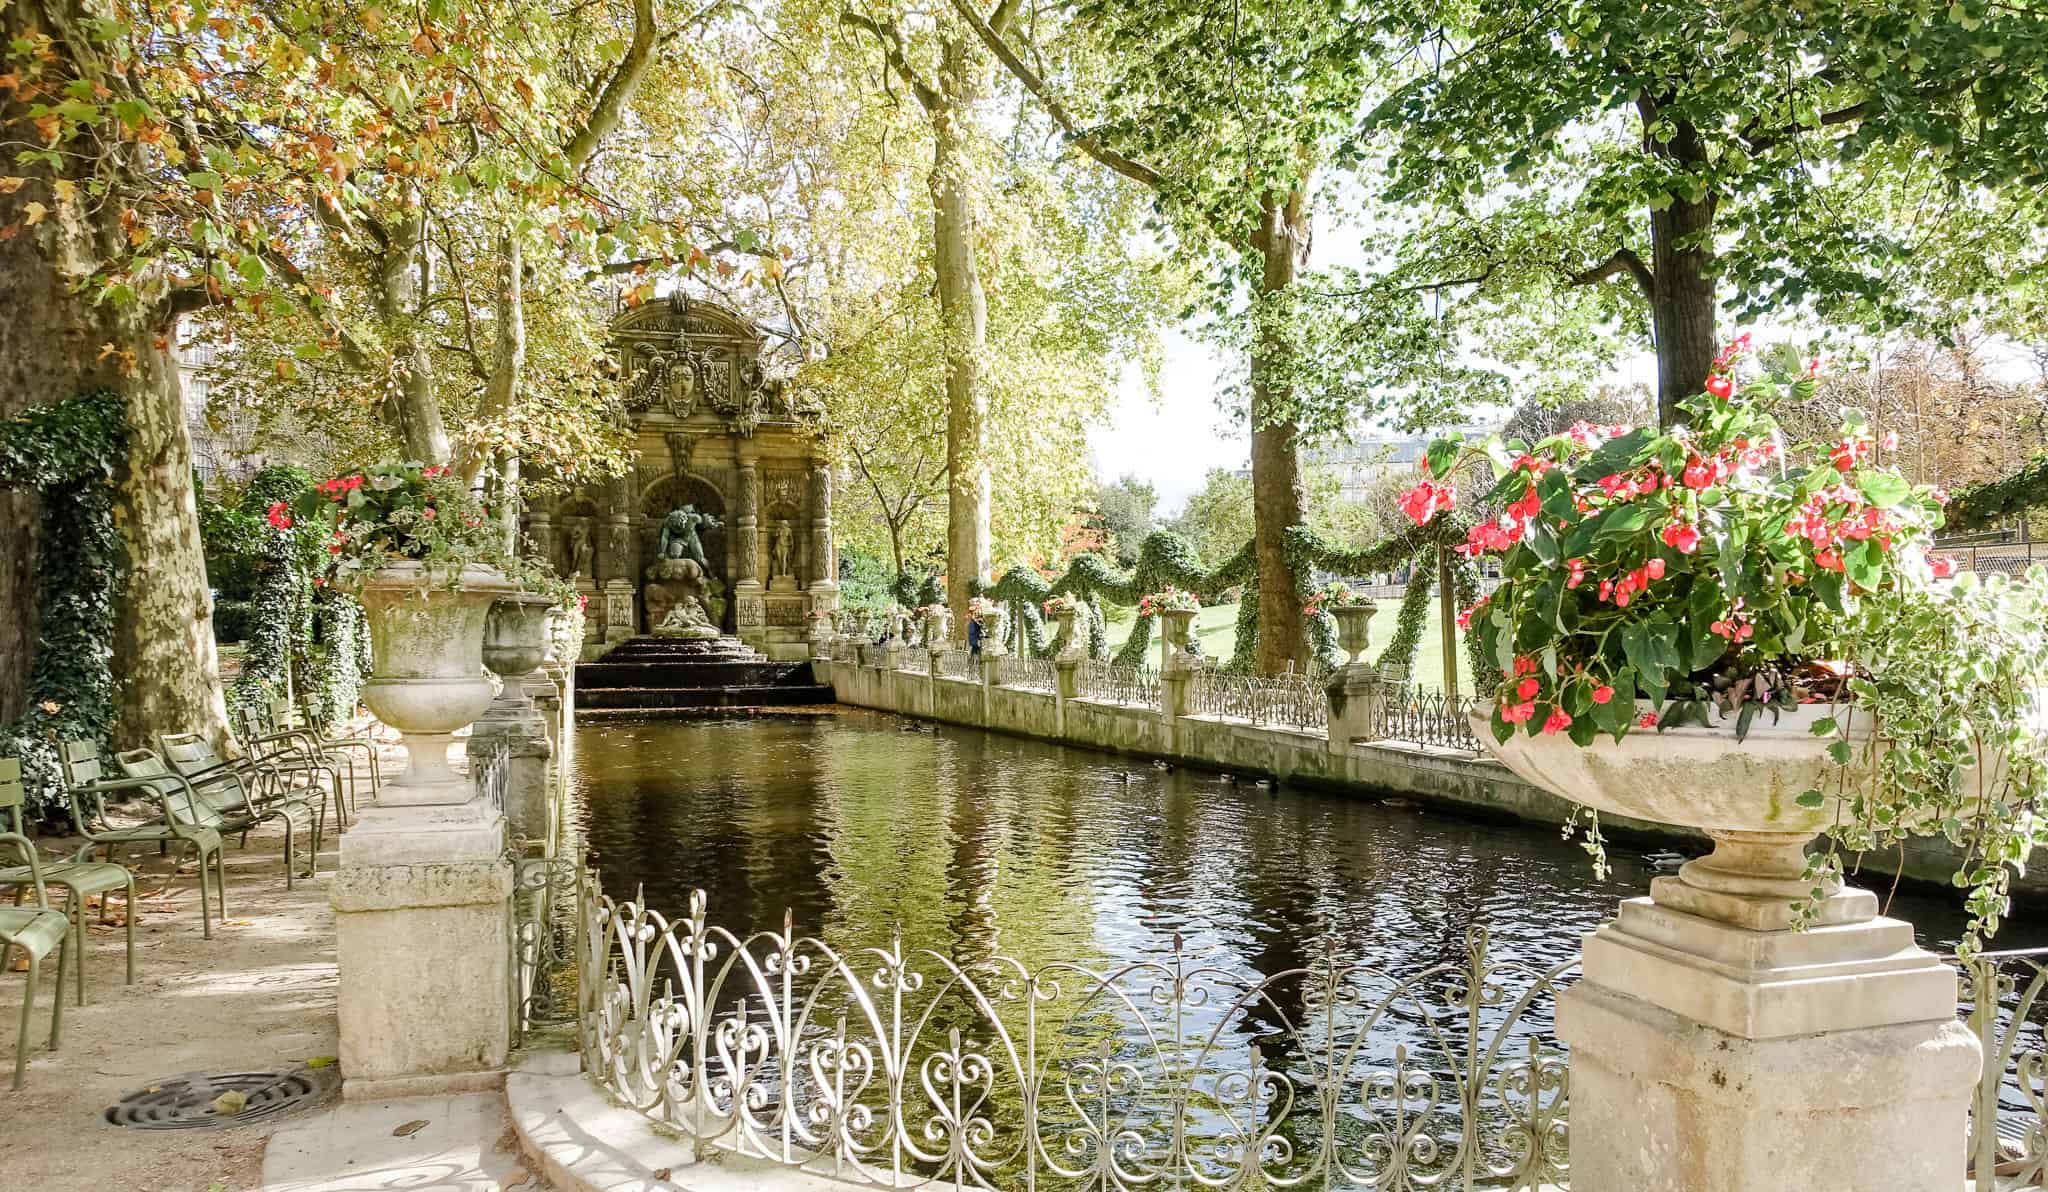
781, 547
681, 597
580, 550
679, 540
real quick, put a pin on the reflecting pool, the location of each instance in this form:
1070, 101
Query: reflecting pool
974, 842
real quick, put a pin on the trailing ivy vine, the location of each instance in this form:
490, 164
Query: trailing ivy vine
67, 452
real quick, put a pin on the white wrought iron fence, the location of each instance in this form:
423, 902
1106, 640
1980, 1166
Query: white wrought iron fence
2009, 1119
1414, 714
959, 664
1290, 700
904, 1067
1109, 683
1015, 671
545, 920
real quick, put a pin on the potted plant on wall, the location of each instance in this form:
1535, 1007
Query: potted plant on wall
1176, 611
1353, 612
1063, 609
428, 562
1704, 627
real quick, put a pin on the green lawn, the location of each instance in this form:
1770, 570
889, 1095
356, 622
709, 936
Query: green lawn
1216, 627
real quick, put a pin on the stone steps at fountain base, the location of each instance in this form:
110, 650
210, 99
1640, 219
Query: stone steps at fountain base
674, 676
642, 699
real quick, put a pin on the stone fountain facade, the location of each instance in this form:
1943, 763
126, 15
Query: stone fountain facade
723, 447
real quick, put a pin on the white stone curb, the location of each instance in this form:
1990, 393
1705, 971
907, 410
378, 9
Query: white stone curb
582, 1142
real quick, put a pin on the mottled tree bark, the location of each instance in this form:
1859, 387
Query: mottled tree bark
1279, 498
1682, 305
964, 308
56, 343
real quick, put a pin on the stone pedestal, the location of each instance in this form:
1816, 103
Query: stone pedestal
421, 925
1354, 695
1068, 668
529, 811
1713, 1049
620, 619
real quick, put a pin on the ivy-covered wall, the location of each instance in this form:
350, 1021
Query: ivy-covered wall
68, 451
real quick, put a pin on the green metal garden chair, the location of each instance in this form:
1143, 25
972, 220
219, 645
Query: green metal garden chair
81, 878
177, 824
35, 930
223, 787
284, 717
259, 731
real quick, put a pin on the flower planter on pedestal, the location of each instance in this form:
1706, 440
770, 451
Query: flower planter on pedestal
938, 629
1713, 1047
1174, 624
427, 680
421, 898
1075, 648
1354, 691
994, 623
515, 643
1354, 629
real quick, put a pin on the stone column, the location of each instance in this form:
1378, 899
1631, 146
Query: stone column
422, 926
540, 526
824, 558
750, 612
1354, 694
1066, 687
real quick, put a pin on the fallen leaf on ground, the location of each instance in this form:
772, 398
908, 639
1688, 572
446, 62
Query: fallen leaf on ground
238, 923
410, 1128
517, 1179
661, 1173
230, 1103
320, 1061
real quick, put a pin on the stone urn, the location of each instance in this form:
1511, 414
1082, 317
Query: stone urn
1709, 1010
427, 668
938, 628
1741, 794
994, 623
1074, 647
1174, 626
1354, 629
516, 642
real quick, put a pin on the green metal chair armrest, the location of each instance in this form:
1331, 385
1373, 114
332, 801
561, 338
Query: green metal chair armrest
26, 848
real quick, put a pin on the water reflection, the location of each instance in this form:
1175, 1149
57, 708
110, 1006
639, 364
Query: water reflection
866, 828
974, 843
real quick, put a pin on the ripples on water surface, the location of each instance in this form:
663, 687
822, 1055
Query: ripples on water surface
972, 841
975, 843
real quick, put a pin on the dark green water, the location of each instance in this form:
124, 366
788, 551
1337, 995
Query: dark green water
970, 845
973, 841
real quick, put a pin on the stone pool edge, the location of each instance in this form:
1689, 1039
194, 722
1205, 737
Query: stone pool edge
1442, 779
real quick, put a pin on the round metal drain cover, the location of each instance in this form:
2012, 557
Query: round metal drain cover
188, 1102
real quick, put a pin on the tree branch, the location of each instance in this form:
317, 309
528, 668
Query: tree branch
1136, 171
618, 90
1621, 260
892, 49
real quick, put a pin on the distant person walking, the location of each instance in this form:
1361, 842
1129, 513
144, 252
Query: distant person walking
974, 636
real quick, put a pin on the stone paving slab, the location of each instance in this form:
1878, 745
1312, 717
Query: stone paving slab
465, 1145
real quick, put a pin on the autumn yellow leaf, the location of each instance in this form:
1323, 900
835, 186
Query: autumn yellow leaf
66, 189
33, 213
9, 185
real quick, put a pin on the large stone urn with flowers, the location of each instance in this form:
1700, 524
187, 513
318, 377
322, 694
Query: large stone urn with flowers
427, 667
1753, 1023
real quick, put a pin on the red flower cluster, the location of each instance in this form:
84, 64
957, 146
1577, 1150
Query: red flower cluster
1465, 617
279, 519
340, 486
1850, 452
434, 473
1735, 627
1944, 565
1682, 536
1428, 499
